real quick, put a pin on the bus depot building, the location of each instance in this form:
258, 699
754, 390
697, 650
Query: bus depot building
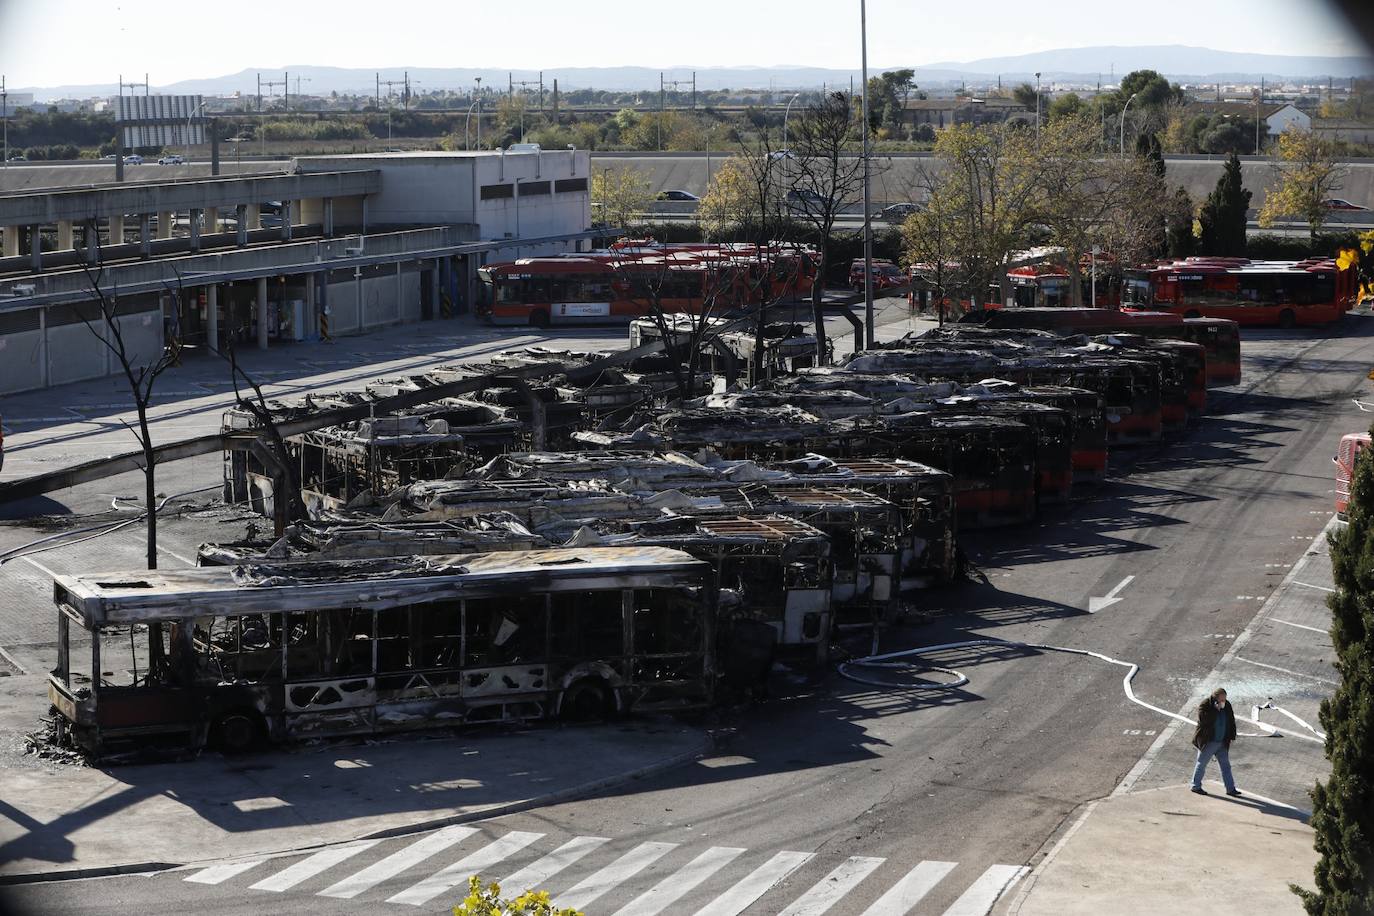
329, 246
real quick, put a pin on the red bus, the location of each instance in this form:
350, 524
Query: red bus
619, 286
1047, 286
1351, 446
1220, 337
1283, 293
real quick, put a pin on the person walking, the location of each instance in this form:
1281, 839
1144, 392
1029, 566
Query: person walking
1216, 729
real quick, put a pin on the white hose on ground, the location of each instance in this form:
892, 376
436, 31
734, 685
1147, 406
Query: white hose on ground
885, 661
16, 553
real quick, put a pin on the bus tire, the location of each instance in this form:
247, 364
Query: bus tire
586, 700
539, 319
1287, 319
1192, 313
236, 732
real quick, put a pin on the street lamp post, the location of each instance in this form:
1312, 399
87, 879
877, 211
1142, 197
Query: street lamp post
786, 112
1037, 107
191, 117
868, 222
1122, 141
605, 194
466, 125
478, 93
517, 214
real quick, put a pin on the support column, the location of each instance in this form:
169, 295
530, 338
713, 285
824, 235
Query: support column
11, 249
164, 223
310, 320
400, 294
253, 216
145, 236
329, 217
241, 224
91, 232
64, 235
36, 249
212, 317
435, 282
287, 207
262, 313
195, 229
211, 220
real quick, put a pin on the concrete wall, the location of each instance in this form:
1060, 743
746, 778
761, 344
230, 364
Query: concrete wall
60, 348
21, 352
894, 177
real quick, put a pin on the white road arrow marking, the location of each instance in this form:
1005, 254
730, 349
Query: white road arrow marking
1101, 604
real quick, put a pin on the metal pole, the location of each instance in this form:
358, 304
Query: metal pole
479, 111
868, 222
5, 102
660, 109
1123, 123
786, 112
1037, 108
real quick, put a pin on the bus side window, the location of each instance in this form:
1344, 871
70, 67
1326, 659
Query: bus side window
664, 623
505, 631
585, 625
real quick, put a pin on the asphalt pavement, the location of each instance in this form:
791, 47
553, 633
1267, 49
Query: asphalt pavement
843, 798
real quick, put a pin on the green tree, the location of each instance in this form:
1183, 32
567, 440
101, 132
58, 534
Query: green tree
1024, 95
1150, 89
1223, 214
887, 95
1304, 176
1180, 240
1343, 806
620, 194
1068, 105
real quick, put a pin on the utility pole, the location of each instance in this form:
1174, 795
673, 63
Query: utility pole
286, 90
377, 98
5, 107
259, 93
298, 88
1037, 109
478, 93
524, 91
1259, 102
868, 222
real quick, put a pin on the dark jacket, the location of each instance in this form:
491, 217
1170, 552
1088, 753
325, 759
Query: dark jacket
1207, 720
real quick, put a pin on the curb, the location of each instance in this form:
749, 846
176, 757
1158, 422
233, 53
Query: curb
74, 874
706, 744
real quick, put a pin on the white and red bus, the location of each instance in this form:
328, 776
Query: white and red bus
630, 282
1049, 286
1283, 293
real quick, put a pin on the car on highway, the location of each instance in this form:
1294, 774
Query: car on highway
804, 200
18, 158
677, 195
171, 160
134, 159
1337, 203
896, 213
885, 274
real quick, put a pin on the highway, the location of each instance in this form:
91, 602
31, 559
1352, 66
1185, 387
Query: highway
889, 800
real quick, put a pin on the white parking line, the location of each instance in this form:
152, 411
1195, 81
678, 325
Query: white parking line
1310, 677
1301, 626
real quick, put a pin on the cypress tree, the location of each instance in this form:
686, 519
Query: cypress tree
1179, 231
1223, 214
1343, 806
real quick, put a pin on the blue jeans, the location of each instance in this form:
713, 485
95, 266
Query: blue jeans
1207, 752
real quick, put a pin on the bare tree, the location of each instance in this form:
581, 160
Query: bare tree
826, 175
141, 371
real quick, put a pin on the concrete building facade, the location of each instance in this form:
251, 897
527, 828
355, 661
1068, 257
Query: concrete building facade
332, 245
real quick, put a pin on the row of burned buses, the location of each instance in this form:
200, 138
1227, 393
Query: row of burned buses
592, 544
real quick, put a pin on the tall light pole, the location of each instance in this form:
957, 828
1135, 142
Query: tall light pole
189, 119
1037, 106
467, 123
478, 79
1123, 122
5, 103
787, 111
606, 194
868, 223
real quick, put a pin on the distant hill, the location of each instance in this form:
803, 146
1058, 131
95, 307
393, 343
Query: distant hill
1178, 62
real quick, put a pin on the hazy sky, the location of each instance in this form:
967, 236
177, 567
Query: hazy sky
55, 42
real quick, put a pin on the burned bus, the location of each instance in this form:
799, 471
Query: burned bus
232, 656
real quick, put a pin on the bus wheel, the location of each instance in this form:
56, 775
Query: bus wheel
1287, 319
539, 319
236, 732
1192, 313
586, 701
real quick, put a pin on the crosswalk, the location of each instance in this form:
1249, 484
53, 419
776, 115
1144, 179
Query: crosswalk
590, 874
